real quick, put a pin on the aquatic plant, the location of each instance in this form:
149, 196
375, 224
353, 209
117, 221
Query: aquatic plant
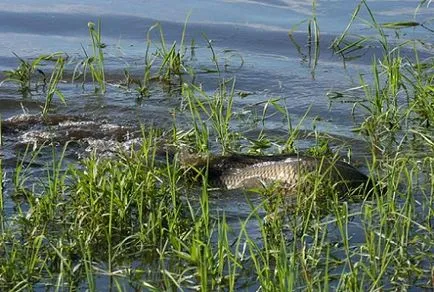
89, 222
400, 95
52, 85
25, 76
313, 40
94, 63
27, 71
217, 109
171, 62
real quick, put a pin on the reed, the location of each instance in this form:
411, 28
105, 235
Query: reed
29, 76
313, 40
217, 109
94, 63
52, 85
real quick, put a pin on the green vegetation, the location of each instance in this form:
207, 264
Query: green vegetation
400, 97
313, 40
95, 63
52, 89
29, 75
218, 112
135, 222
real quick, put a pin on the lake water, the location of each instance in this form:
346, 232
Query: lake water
251, 33
257, 31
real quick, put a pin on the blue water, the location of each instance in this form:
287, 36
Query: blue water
29, 27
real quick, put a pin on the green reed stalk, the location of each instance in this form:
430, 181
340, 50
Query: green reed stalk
337, 42
96, 63
27, 71
202, 245
110, 226
218, 111
313, 40
147, 151
65, 268
149, 61
225, 258
429, 197
313, 36
86, 254
200, 128
56, 77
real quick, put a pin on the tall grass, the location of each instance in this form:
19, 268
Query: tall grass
96, 66
29, 75
399, 96
94, 63
87, 223
217, 109
313, 40
55, 78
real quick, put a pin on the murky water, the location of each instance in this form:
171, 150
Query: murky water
253, 33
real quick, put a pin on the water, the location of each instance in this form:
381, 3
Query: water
255, 32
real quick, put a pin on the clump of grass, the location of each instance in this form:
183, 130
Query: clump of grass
313, 40
52, 88
27, 71
172, 58
101, 213
217, 109
399, 96
29, 76
94, 63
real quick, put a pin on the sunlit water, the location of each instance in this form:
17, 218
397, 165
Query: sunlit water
261, 56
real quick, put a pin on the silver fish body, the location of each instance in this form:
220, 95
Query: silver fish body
290, 172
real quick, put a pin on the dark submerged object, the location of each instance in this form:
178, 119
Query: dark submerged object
291, 172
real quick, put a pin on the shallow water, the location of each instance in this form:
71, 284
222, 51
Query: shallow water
255, 30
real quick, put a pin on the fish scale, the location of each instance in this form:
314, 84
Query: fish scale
255, 175
246, 171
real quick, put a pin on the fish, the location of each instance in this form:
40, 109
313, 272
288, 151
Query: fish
291, 172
